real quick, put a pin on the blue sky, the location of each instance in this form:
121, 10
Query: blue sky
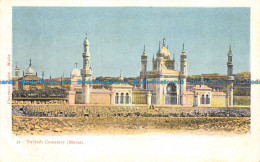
53, 38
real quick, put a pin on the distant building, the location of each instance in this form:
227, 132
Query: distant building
20, 81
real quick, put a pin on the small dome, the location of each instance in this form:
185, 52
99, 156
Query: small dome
29, 71
17, 67
144, 53
76, 73
121, 78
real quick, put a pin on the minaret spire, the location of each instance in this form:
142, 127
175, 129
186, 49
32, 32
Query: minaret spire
76, 64
42, 75
230, 52
163, 42
183, 47
144, 48
30, 63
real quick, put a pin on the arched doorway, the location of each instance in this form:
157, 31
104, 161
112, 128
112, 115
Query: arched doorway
127, 98
122, 98
116, 98
171, 95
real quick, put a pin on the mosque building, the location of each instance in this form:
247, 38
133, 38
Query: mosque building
163, 69
174, 92
30, 75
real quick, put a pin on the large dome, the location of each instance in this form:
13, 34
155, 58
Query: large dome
165, 52
29, 71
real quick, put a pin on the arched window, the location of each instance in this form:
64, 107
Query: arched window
202, 99
122, 98
116, 98
127, 98
207, 99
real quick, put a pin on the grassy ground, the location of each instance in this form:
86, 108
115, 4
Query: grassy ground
240, 100
129, 125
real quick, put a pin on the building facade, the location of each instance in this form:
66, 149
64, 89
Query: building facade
163, 70
169, 86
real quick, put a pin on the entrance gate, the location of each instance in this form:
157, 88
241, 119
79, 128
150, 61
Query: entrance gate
171, 95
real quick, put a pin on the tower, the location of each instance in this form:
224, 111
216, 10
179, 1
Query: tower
17, 70
230, 79
86, 72
183, 74
144, 67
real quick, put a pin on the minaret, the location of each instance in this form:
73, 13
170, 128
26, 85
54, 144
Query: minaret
86, 72
230, 78
144, 68
17, 70
183, 75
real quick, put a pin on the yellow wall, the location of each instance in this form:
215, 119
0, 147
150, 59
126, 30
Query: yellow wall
100, 98
139, 97
78, 98
189, 99
219, 100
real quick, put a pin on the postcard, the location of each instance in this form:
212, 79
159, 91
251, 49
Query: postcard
123, 81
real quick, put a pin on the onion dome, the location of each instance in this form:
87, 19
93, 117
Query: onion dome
29, 70
76, 71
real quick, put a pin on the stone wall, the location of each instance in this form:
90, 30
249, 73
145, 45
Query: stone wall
139, 97
189, 99
16, 102
218, 100
100, 96
124, 111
